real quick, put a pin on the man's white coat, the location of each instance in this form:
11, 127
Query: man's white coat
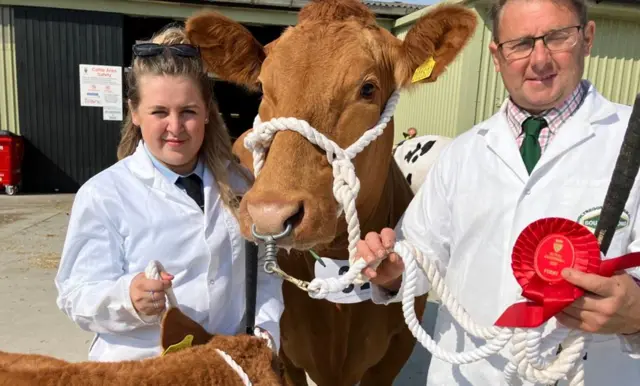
478, 198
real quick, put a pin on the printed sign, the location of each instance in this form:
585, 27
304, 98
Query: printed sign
335, 268
101, 86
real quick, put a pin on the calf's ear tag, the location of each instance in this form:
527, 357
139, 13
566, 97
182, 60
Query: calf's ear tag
186, 342
424, 71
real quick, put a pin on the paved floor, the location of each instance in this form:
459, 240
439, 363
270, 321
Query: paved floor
32, 230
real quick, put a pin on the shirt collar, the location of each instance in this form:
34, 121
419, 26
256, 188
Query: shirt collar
555, 117
170, 174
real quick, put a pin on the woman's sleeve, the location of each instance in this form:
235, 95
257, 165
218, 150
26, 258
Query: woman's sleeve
93, 287
269, 301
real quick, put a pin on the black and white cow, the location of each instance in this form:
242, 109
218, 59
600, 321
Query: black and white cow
415, 157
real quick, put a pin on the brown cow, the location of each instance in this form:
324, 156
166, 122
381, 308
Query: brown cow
335, 69
200, 365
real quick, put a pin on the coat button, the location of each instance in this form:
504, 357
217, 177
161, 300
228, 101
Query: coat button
212, 282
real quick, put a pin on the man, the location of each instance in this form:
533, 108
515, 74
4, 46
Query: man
548, 152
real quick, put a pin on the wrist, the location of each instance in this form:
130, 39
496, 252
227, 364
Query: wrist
394, 285
630, 330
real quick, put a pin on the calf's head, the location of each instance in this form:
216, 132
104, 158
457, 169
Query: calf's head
336, 69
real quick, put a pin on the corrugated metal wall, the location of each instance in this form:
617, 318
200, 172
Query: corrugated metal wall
614, 63
8, 84
432, 107
491, 91
66, 143
613, 67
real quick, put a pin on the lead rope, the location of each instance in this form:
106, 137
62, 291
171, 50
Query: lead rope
528, 345
153, 272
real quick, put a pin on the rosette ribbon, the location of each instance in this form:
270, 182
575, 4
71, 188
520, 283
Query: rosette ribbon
543, 249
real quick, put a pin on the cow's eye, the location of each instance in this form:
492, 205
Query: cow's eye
368, 90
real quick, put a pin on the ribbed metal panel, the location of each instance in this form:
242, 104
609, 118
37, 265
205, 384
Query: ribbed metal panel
66, 143
471, 90
8, 83
432, 108
491, 91
613, 67
445, 107
614, 63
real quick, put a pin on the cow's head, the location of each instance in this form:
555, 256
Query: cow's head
335, 69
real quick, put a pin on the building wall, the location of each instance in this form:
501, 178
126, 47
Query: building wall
8, 84
441, 107
65, 143
613, 67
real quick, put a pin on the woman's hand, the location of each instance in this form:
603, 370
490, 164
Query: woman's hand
147, 295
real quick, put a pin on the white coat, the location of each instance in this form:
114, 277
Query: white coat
130, 214
478, 198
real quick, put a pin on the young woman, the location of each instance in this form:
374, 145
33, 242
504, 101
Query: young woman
171, 197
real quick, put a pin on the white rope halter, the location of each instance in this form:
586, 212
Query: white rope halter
527, 344
153, 272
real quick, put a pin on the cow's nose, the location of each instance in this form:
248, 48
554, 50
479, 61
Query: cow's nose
272, 217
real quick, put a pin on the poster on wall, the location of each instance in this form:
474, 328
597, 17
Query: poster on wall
101, 86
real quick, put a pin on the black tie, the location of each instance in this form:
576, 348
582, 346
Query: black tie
193, 186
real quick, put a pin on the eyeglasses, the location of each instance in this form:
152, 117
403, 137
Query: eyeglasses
153, 49
557, 40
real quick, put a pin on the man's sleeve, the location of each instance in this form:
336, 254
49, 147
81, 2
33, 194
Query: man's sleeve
631, 343
426, 224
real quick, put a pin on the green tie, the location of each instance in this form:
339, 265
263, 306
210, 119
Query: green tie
530, 148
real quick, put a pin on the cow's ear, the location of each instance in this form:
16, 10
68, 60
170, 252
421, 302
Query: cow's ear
228, 49
176, 326
433, 43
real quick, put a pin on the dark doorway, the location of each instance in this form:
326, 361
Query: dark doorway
237, 105
65, 143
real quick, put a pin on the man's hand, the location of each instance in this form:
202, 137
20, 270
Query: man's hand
377, 247
609, 305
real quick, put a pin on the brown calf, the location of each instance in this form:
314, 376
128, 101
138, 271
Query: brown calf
335, 69
200, 365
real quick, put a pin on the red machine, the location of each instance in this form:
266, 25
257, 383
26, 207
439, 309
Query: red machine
11, 154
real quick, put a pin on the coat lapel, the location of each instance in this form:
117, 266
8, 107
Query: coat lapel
501, 140
579, 128
141, 166
211, 198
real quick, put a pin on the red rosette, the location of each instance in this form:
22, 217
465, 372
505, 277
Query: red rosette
543, 249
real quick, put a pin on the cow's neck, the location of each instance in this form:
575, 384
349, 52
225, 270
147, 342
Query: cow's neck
385, 212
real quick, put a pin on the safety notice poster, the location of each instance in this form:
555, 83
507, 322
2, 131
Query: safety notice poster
101, 86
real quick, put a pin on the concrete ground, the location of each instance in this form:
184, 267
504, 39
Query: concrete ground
32, 230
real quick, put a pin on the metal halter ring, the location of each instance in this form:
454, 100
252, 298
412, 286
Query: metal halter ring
267, 238
271, 249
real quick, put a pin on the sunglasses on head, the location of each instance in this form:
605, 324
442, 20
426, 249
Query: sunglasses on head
153, 49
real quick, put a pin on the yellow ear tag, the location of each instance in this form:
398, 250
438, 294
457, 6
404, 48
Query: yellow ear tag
424, 71
186, 342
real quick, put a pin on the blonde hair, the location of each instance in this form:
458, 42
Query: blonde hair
216, 146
